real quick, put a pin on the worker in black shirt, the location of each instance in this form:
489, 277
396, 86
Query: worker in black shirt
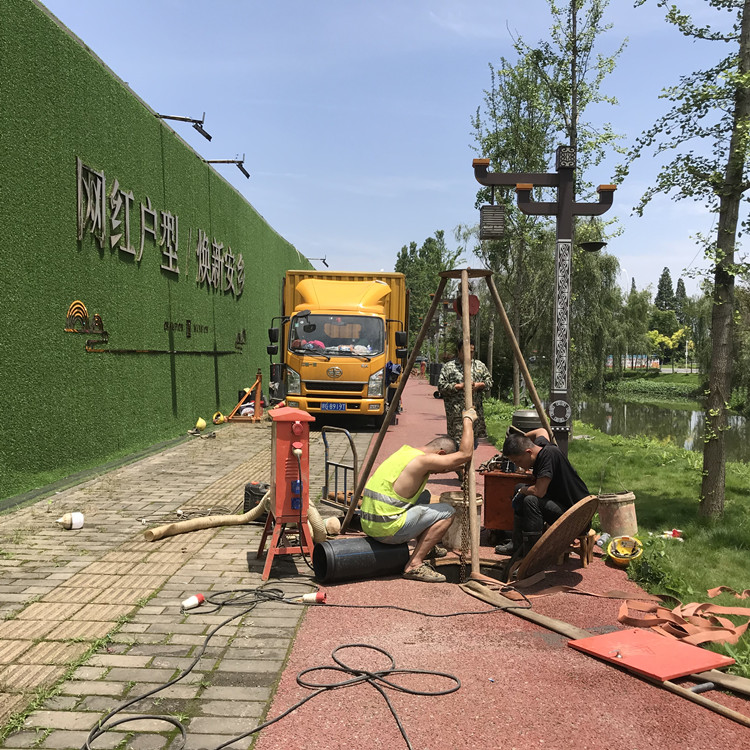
556, 488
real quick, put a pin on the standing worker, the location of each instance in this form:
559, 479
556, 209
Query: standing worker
396, 507
451, 388
556, 488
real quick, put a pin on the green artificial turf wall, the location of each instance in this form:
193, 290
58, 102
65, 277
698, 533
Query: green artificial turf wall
64, 409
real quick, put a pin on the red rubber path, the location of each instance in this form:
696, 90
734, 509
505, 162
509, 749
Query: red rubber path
521, 685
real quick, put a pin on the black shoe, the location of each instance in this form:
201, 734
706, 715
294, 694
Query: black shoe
505, 549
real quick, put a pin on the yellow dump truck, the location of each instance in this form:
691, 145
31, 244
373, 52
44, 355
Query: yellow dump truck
341, 341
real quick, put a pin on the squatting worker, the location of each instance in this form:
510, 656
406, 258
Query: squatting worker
556, 488
396, 507
451, 388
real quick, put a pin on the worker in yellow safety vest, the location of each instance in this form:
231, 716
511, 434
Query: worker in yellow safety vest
396, 507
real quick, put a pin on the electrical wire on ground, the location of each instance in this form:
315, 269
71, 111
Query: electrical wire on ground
377, 679
248, 599
106, 723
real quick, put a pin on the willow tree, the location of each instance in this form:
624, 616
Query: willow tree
710, 107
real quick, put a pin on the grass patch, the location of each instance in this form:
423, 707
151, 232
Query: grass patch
655, 388
666, 481
693, 379
645, 399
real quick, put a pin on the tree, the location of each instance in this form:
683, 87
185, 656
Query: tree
635, 317
529, 106
742, 350
515, 131
660, 343
664, 299
680, 298
710, 107
573, 73
664, 321
596, 320
697, 312
421, 267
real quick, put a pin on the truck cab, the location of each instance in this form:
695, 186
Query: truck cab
340, 346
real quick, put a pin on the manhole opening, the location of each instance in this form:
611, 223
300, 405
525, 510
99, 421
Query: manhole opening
451, 569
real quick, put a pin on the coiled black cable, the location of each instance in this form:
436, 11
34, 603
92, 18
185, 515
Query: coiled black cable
377, 679
104, 724
248, 599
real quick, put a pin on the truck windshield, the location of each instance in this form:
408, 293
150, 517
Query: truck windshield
338, 335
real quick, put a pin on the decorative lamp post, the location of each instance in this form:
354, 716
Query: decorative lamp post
564, 209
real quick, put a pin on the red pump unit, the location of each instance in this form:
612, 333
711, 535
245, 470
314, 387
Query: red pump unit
290, 474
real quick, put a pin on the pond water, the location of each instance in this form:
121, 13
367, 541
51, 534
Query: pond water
683, 427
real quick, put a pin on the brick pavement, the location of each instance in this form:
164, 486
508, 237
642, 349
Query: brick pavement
92, 616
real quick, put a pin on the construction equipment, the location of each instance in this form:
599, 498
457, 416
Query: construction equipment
290, 492
252, 395
464, 275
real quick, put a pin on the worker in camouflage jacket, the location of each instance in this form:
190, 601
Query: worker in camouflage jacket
451, 388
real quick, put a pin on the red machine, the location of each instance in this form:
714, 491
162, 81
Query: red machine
290, 473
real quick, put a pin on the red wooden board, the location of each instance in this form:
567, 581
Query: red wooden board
651, 654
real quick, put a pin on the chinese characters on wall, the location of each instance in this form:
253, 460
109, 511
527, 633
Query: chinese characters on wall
109, 217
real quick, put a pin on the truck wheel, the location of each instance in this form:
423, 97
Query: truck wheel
378, 421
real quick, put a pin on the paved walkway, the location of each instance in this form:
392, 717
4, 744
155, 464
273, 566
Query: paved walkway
92, 616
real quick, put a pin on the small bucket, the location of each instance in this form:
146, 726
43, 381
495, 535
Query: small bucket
617, 514
454, 536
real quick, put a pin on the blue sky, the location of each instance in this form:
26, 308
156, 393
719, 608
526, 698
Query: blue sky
354, 115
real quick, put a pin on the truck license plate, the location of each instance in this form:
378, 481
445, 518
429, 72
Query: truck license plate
330, 406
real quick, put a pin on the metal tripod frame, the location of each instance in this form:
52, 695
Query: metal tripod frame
464, 275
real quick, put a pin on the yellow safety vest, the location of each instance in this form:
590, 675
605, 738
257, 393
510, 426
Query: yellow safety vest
383, 510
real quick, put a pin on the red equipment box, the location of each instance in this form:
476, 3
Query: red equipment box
498, 492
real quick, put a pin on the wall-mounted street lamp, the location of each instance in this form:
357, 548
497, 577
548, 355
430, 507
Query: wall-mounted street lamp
239, 162
322, 260
197, 124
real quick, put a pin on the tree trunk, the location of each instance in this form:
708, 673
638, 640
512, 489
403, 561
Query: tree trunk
722, 314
